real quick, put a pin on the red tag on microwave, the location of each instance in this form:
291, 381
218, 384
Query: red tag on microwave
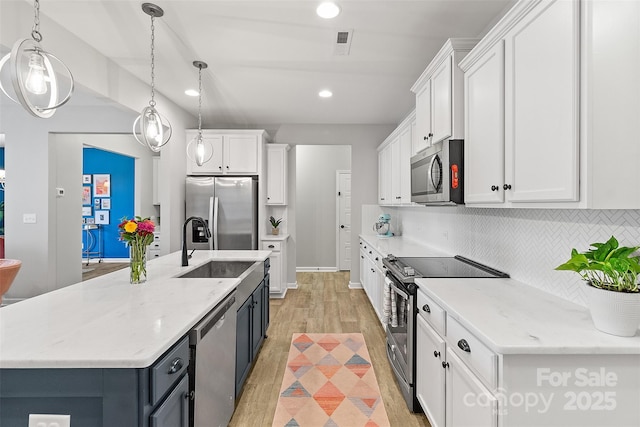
454, 176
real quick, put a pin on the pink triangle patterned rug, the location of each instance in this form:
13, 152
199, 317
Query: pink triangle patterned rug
329, 382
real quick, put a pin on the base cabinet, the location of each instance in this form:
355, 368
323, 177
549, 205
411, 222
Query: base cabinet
372, 277
252, 322
278, 260
430, 377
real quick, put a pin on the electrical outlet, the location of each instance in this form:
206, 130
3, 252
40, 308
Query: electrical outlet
29, 218
49, 420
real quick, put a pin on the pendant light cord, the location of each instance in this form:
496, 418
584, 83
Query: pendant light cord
35, 31
200, 102
153, 66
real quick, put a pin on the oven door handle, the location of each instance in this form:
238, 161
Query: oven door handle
398, 290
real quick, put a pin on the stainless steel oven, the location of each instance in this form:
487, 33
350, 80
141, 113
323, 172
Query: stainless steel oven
401, 327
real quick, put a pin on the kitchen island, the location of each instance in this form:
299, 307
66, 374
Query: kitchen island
91, 341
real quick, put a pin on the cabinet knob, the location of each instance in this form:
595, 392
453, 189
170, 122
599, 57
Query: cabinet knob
445, 365
436, 354
176, 365
271, 246
227, 167
430, 134
361, 256
506, 187
372, 270
220, 167
494, 188
370, 253
376, 258
426, 308
426, 137
464, 345
268, 198
342, 226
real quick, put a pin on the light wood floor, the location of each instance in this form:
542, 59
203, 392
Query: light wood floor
95, 269
322, 303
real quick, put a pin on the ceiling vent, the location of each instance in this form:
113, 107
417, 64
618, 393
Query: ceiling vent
343, 42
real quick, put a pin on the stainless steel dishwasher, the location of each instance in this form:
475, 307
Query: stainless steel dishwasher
213, 365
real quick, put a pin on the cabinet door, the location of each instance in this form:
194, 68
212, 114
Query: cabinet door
276, 176
363, 273
257, 319
430, 375
241, 154
174, 411
276, 273
404, 165
243, 343
396, 192
541, 104
423, 118
484, 128
442, 105
384, 176
469, 402
266, 312
212, 148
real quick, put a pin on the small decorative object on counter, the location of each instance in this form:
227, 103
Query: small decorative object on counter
611, 274
275, 223
138, 234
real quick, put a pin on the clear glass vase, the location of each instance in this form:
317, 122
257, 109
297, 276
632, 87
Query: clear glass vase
137, 263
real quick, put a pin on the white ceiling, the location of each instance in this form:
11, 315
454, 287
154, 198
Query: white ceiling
269, 59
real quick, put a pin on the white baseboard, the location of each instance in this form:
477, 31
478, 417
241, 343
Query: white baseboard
355, 285
97, 260
293, 285
278, 295
316, 270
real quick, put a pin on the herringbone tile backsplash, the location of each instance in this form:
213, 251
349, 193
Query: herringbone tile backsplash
526, 243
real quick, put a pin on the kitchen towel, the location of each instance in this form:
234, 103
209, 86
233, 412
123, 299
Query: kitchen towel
386, 301
329, 381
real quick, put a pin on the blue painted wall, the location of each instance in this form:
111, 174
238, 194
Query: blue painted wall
121, 168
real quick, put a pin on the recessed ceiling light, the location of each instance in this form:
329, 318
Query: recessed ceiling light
325, 94
191, 92
328, 10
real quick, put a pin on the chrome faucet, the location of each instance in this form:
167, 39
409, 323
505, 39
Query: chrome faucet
207, 232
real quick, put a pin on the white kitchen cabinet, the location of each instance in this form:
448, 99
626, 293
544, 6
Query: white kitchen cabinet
394, 164
469, 402
372, 276
384, 176
422, 138
235, 152
484, 128
278, 269
439, 96
277, 174
153, 250
430, 375
542, 104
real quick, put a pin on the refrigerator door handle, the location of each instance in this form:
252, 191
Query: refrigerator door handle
213, 219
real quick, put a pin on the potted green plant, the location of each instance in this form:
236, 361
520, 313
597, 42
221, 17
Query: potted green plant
274, 224
611, 273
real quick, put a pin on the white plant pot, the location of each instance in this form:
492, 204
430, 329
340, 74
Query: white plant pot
616, 313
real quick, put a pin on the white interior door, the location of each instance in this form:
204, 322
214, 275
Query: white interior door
343, 181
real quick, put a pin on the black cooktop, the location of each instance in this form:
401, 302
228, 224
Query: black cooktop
443, 267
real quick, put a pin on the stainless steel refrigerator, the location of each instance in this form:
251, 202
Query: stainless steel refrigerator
229, 205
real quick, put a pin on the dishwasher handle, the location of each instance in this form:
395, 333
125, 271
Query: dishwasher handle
211, 320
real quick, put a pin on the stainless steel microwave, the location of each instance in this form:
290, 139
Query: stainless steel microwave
436, 174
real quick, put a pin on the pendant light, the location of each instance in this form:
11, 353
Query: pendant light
198, 153
37, 76
150, 128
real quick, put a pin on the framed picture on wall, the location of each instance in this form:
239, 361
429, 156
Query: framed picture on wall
96, 203
105, 204
86, 179
86, 211
102, 185
86, 195
102, 217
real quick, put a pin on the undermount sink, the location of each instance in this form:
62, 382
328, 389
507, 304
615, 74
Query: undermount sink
219, 269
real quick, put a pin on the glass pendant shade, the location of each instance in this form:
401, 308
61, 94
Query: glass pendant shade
37, 77
197, 150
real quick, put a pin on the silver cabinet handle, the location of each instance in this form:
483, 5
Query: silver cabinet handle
176, 365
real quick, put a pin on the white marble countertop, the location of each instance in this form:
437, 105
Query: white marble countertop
514, 318
401, 246
108, 323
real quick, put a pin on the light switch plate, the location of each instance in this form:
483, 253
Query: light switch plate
29, 218
49, 420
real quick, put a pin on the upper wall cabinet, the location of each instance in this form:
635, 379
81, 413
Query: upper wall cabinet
394, 168
439, 96
547, 113
277, 173
235, 152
